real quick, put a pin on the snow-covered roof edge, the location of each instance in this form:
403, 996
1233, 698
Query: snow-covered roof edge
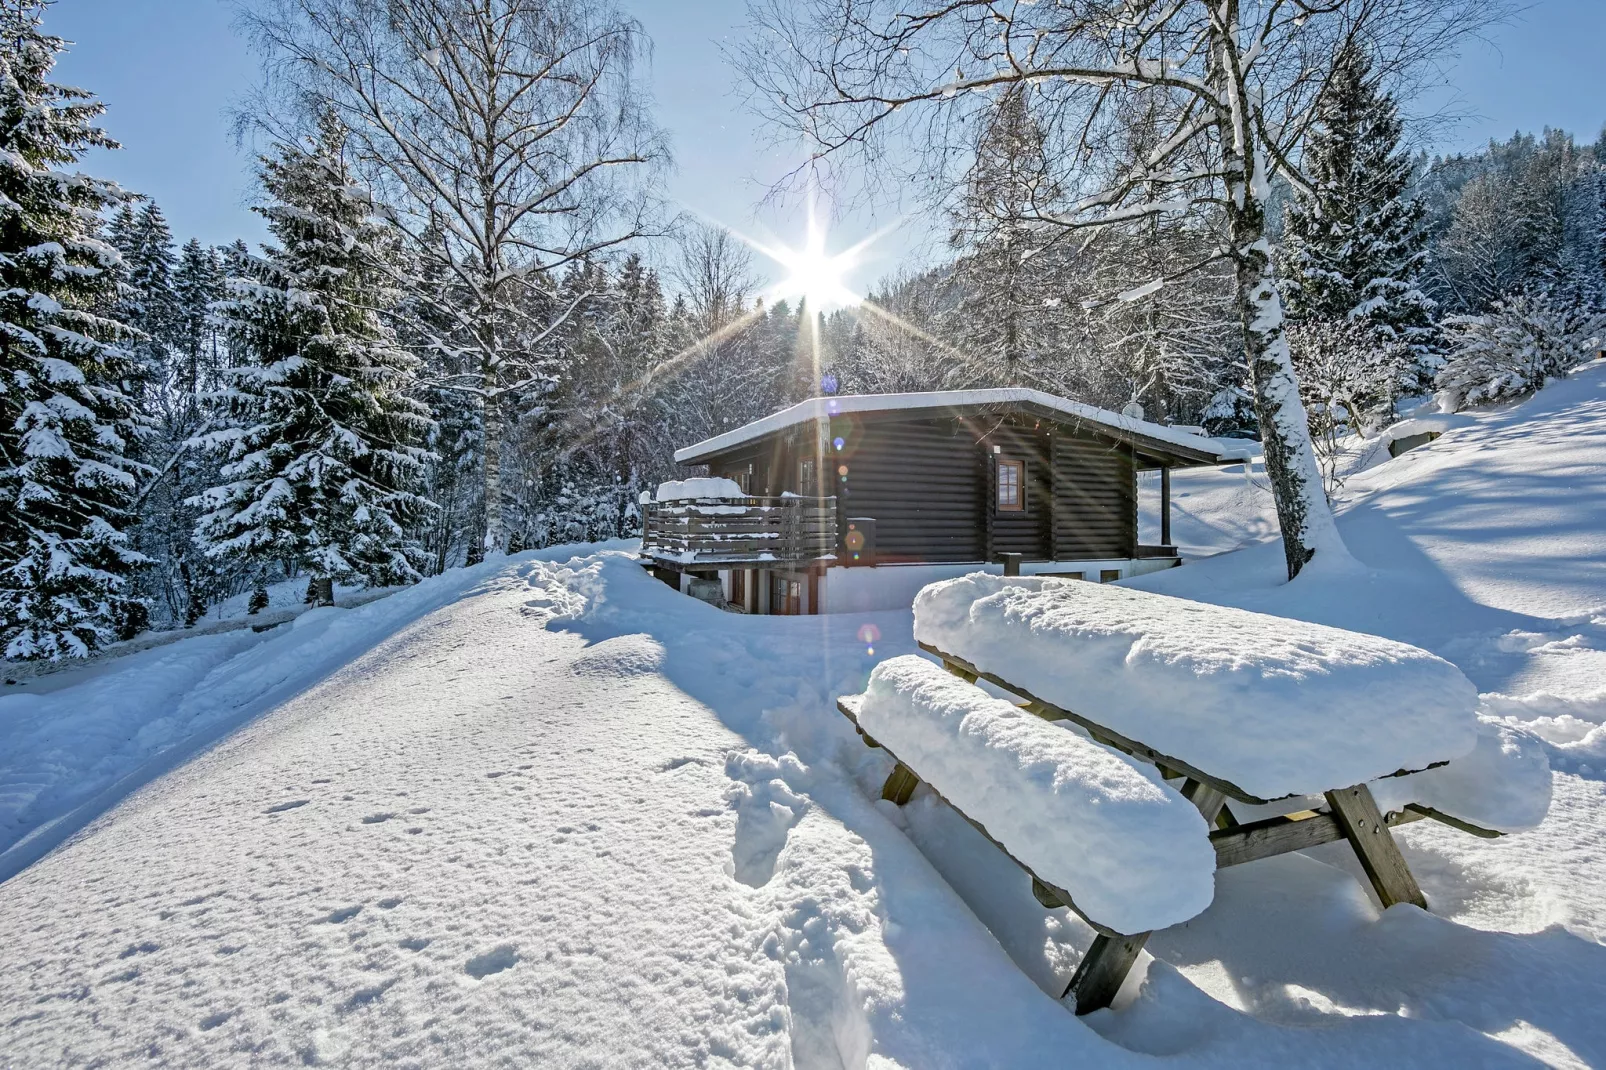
815, 408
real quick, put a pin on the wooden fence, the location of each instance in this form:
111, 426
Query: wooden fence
739, 531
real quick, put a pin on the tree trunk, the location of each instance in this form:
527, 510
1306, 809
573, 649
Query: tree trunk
491, 452
1296, 481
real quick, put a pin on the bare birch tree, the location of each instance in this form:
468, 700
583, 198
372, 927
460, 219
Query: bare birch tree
1234, 84
508, 138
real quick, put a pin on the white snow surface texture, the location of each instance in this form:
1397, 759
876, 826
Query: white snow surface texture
1134, 854
699, 487
1276, 706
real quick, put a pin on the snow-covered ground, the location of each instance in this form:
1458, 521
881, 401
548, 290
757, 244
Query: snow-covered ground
549, 812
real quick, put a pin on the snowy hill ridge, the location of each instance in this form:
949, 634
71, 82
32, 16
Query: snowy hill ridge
549, 811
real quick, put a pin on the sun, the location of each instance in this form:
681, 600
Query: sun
814, 276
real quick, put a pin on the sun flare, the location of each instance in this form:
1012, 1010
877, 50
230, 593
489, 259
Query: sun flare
813, 275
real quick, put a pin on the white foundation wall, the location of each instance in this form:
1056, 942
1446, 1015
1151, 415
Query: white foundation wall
864, 590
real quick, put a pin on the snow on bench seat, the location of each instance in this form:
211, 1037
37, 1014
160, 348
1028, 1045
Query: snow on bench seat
1274, 706
1132, 852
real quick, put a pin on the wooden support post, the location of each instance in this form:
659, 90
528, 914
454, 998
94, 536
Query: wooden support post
1099, 975
1165, 505
901, 784
1102, 970
1358, 818
1011, 563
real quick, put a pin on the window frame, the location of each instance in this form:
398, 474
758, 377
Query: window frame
1019, 467
808, 481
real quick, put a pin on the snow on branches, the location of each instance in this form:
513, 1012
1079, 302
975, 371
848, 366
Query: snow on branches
66, 423
322, 443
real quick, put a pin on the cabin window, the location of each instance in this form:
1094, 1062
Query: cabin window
786, 596
807, 485
739, 587
1011, 486
742, 477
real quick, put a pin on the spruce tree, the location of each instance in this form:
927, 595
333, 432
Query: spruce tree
66, 419
1359, 251
147, 302
322, 449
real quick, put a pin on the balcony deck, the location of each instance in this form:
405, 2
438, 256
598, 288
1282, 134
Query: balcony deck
709, 533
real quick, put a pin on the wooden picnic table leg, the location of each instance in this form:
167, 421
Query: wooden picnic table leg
1380, 857
1103, 969
901, 783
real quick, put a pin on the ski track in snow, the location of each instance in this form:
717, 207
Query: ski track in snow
548, 812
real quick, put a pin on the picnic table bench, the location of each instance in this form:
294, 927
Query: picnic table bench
1043, 642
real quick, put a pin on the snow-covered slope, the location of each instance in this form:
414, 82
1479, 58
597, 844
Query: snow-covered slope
549, 812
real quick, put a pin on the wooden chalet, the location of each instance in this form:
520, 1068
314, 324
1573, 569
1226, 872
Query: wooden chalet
854, 503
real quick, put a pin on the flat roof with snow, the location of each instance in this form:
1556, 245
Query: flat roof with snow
1189, 448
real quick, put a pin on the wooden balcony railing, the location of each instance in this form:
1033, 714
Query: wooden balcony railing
739, 531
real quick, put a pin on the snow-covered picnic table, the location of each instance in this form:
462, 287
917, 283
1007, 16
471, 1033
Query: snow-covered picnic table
1179, 708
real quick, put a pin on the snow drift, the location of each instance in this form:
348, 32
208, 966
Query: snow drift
1277, 706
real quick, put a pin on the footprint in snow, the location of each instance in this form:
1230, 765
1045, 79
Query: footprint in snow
343, 914
212, 1021
678, 763
282, 807
390, 904
499, 958
146, 948
415, 943
374, 819
364, 996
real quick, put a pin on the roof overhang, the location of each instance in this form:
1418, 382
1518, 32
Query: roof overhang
1156, 443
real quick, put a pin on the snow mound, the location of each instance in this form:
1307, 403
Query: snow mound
621, 656
1276, 706
1134, 854
1504, 784
676, 490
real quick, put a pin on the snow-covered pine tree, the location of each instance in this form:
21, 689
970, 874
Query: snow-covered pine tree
1359, 252
197, 284
322, 449
66, 420
149, 305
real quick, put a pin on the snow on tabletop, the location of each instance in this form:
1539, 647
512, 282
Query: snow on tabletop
827, 407
1503, 785
1134, 854
699, 487
1276, 706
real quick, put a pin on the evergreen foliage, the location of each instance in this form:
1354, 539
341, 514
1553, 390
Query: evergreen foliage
67, 421
322, 441
1515, 347
1359, 249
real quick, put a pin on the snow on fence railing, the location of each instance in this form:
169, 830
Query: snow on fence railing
739, 530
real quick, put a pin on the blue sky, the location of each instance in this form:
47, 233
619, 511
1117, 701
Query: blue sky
170, 70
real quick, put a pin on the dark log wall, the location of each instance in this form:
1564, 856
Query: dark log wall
920, 479
1095, 497
928, 482
1028, 531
